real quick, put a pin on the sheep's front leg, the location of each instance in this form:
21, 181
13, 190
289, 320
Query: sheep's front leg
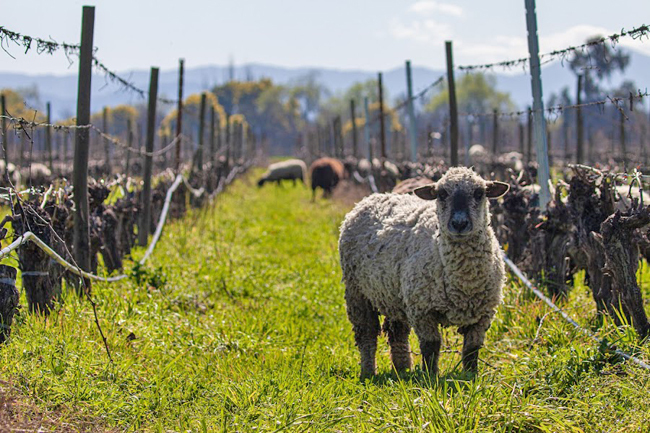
474, 336
365, 324
430, 340
398, 339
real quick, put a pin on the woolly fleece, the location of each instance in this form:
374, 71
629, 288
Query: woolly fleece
395, 256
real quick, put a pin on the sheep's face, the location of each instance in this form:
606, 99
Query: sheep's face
461, 198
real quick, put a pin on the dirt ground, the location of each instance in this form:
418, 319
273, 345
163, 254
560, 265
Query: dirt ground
18, 414
349, 192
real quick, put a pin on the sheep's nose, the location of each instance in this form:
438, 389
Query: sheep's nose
460, 224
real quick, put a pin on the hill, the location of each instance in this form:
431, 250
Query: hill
61, 91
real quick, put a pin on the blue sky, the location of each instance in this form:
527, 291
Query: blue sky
347, 34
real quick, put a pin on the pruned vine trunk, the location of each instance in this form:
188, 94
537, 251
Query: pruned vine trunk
621, 263
8, 300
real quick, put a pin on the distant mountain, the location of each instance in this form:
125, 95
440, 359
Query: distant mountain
61, 91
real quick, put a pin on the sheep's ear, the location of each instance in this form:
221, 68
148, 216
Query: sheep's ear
496, 189
426, 192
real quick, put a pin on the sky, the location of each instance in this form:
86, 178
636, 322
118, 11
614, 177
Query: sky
372, 35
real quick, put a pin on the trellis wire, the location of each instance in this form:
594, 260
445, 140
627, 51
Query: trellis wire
557, 109
565, 316
114, 77
635, 33
24, 124
124, 146
42, 45
31, 237
49, 47
420, 94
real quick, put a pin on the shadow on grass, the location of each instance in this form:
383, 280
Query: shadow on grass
455, 380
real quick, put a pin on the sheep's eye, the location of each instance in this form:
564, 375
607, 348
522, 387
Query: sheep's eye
478, 193
442, 194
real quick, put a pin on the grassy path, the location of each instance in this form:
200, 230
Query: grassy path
239, 323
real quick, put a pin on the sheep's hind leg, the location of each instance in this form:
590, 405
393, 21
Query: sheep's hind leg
365, 324
430, 340
473, 341
398, 339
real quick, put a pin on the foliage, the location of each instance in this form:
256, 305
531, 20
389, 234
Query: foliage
191, 114
269, 108
475, 93
340, 104
391, 118
239, 324
116, 117
308, 92
595, 63
17, 106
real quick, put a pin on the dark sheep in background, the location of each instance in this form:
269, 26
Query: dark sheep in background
325, 173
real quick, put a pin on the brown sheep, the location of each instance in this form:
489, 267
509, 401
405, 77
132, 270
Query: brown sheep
325, 173
409, 185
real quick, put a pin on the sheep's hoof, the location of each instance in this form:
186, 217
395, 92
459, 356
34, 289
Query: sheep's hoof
402, 363
431, 371
367, 374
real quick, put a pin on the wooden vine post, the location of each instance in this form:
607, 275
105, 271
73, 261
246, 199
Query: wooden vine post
107, 148
179, 115
382, 129
199, 151
48, 137
539, 123
453, 107
145, 223
5, 144
81, 231
353, 119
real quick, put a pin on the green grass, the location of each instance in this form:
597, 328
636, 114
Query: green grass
238, 323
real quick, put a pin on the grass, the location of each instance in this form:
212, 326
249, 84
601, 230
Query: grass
238, 324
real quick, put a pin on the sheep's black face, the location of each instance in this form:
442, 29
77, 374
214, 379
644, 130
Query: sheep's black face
461, 201
460, 221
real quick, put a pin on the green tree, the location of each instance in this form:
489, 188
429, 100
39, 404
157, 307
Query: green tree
596, 62
475, 93
17, 107
308, 92
340, 104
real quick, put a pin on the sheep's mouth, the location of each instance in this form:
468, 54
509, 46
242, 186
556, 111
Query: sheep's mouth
459, 235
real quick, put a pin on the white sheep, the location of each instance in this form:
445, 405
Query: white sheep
14, 174
36, 174
624, 195
513, 160
478, 156
423, 264
364, 167
291, 169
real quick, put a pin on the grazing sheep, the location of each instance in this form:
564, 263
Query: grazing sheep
625, 195
478, 156
423, 264
512, 160
291, 169
364, 167
386, 174
325, 173
14, 175
37, 174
